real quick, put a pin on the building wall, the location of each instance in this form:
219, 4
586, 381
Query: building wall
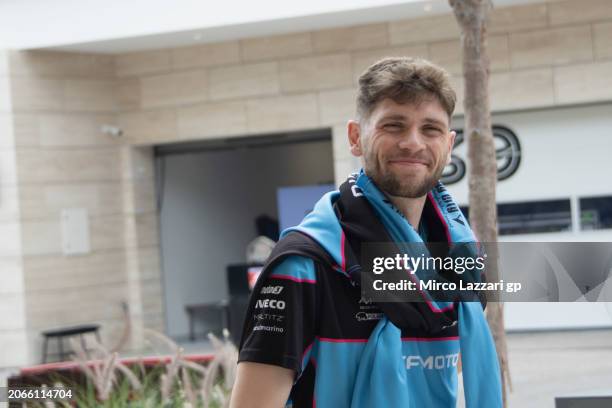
12, 296
60, 101
546, 54
556, 145
555, 53
564, 155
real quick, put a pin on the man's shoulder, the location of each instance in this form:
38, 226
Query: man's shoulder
296, 268
299, 244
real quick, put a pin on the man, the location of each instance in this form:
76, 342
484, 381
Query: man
310, 337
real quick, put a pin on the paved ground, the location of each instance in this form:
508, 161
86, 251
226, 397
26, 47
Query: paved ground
549, 364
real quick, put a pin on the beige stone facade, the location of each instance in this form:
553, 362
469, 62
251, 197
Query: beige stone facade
53, 155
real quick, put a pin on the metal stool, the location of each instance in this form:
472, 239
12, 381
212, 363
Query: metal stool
60, 333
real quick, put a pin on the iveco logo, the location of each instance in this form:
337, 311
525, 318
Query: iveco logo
270, 303
507, 153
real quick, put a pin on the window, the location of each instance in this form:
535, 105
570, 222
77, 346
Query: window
595, 213
532, 217
535, 216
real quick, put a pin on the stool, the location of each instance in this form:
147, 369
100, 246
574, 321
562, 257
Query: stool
60, 333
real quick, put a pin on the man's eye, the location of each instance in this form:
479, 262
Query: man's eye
432, 130
393, 127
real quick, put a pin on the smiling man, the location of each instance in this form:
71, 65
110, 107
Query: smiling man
405, 146
310, 337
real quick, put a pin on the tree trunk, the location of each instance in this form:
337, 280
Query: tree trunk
472, 16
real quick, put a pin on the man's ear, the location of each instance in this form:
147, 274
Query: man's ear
354, 137
452, 135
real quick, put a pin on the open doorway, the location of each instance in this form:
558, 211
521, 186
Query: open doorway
210, 194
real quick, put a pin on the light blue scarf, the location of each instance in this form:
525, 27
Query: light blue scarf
382, 378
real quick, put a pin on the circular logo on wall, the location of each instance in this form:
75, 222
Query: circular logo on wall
507, 154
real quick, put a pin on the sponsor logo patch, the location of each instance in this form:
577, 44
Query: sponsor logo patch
271, 290
438, 362
364, 316
270, 304
269, 317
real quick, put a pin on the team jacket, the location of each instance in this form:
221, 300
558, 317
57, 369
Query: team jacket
305, 314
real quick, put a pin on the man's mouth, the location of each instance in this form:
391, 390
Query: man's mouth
409, 162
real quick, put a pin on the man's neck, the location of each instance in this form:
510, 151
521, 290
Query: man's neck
412, 208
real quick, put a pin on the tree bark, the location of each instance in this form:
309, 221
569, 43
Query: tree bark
472, 17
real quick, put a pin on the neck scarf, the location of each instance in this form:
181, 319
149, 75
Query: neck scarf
360, 213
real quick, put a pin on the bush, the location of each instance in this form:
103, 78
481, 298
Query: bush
107, 382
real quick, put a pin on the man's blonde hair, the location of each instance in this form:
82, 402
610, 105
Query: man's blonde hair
404, 80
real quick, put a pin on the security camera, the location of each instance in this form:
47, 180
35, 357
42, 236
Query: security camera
112, 131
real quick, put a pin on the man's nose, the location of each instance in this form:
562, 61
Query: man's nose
412, 140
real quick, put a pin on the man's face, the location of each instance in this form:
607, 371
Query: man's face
405, 147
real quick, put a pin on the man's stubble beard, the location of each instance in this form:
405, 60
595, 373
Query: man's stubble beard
392, 185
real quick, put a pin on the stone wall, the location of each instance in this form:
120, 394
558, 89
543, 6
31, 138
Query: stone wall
59, 103
545, 54
12, 297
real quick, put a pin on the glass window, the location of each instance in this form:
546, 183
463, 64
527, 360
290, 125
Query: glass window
532, 217
595, 213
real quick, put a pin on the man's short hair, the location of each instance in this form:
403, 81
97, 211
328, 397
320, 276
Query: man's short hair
404, 80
